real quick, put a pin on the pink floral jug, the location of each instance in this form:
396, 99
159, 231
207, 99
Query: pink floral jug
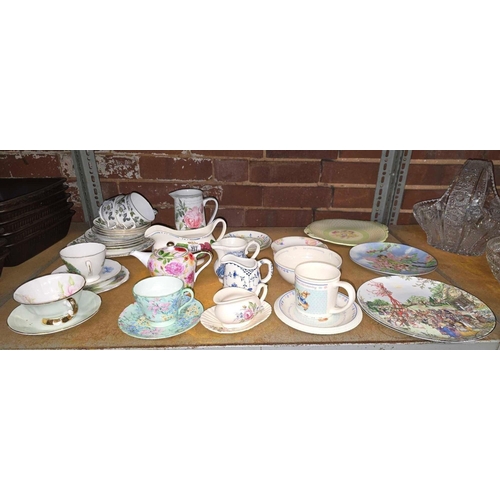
189, 206
174, 260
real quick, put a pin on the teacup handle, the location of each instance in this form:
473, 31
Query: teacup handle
223, 230
200, 254
351, 293
205, 201
186, 291
256, 244
258, 288
59, 321
270, 268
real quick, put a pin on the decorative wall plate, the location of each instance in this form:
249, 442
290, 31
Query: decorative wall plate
426, 309
347, 232
393, 258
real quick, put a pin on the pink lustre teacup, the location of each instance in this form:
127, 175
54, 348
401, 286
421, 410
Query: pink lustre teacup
53, 298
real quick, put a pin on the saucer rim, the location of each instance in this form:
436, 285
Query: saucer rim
246, 234
135, 306
267, 311
59, 328
317, 330
111, 286
64, 269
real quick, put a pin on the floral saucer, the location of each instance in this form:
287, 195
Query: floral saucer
209, 321
284, 307
347, 232
132, 322
110, 269
27, 323
263, 239
115, 282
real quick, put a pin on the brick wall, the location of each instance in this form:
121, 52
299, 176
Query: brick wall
254, 188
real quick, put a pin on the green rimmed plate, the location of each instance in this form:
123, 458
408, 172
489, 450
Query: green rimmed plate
347, 232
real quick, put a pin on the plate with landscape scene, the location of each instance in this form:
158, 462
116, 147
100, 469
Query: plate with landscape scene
426, 309
393, 258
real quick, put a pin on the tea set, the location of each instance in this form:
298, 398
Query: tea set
320, 302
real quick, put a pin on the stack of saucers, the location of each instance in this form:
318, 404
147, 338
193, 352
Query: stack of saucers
119, 242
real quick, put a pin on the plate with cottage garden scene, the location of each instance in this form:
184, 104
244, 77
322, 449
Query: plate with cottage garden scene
426, 309
393, 258
347, 232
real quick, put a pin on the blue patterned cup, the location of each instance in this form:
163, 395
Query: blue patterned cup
316, 289
162, 298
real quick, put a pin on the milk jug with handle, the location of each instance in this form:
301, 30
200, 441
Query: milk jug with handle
233, 246
189, 206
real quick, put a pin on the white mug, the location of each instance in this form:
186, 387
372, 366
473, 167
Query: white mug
316, 289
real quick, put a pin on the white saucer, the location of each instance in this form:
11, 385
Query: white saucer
263, 239
209, 320
119, 279
132, 322
26, 323
110, 269
284, 307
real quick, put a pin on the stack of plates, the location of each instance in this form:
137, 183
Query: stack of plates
119, 242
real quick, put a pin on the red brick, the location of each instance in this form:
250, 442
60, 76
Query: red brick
339, 172
284, 172
117, 166
312, 154
410, 196
304, 197
406, 218
165, 216
234, 217
231, 170
278, 218
30, 165
353, 198
241, 196
231, 154
434, 175
448, 154
177, 152
157, 167
338, 214
109, 189
360, 154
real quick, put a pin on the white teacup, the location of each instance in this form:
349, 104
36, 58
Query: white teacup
53, 298
127, 211
107, 212
86, 259
316, 289
236, 306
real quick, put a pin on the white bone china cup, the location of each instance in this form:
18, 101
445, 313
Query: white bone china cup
86, 259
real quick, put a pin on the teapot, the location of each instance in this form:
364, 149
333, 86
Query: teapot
174, 260
161, 235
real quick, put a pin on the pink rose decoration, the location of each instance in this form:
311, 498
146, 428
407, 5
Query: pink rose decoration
247, 314
193, 218
189, 279
174, 268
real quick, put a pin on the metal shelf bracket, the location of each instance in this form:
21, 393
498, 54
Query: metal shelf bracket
87, 179
392, 172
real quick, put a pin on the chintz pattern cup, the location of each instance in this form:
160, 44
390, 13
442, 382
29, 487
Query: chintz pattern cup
316, 289
53, 298
86, 259
162, 298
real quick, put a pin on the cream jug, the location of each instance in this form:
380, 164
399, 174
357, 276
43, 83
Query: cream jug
233, 246
162, 235
189, 206
245, 273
